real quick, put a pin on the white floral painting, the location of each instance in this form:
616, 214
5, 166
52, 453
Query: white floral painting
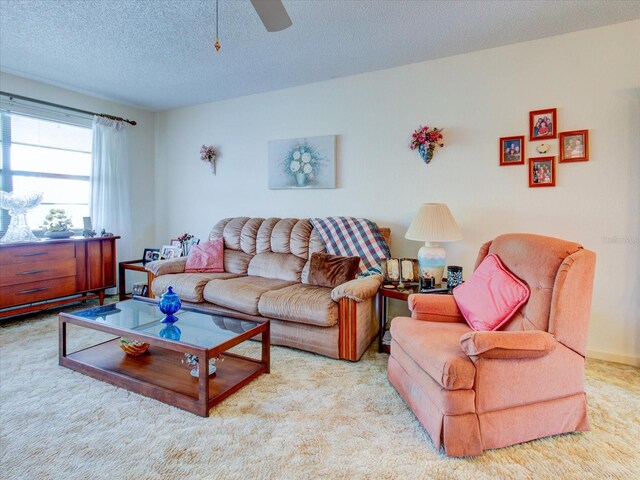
302, 163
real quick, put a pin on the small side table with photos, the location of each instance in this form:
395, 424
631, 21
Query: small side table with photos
398, 292
142, 290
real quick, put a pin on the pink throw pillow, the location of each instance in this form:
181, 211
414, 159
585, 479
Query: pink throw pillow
208, 257
491, 296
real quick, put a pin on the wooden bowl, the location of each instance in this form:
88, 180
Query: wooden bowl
133, 347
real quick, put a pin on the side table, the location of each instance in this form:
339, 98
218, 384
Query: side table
384, 294
138, 266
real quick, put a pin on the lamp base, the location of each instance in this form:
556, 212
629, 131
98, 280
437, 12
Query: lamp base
431, 260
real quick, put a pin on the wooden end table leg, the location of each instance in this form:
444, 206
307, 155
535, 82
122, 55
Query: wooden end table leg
381, 320
122, 294
266, 347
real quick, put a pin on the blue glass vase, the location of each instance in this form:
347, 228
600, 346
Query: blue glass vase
169, 304
170, 331
425, 153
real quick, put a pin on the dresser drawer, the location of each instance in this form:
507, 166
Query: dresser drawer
32, 272
36, 291
35, 253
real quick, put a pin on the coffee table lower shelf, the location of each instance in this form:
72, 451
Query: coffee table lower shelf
159, 374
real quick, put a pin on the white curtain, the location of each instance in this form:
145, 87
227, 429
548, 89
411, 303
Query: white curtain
109, 201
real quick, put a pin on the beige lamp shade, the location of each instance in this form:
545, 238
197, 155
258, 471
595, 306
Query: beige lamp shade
434, 223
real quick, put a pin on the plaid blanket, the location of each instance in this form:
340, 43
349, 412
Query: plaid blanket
350, 237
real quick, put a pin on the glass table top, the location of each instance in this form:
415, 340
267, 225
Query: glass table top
193, 327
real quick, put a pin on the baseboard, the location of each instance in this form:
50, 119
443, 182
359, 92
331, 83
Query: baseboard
614, 357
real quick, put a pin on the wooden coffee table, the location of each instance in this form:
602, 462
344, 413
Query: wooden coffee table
160, 373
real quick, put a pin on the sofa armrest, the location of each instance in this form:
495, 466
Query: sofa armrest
162, 267
434, 307
360, 289
527, 344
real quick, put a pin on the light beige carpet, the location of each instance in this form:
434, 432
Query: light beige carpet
312, 417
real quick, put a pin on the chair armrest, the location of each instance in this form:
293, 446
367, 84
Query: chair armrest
434, 307
162, 267
360, 289
527, 344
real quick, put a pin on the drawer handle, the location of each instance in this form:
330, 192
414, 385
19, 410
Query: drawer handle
33, 290
34, 254
32, 272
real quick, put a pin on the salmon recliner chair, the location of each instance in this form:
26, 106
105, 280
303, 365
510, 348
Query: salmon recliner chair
478, 390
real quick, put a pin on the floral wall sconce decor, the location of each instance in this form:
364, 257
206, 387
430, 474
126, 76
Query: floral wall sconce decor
426, 139
209, 154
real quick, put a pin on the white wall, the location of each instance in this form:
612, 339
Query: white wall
140, 141
592, 77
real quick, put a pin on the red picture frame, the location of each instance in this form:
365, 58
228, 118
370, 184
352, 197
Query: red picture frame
543, 124
574, 146
512, 151
542, 172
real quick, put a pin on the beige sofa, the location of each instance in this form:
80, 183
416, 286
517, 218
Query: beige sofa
266, 263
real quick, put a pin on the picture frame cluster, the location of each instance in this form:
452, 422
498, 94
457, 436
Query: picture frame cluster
573, 146
175, 249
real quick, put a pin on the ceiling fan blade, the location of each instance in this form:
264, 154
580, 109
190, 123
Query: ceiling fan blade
273, 14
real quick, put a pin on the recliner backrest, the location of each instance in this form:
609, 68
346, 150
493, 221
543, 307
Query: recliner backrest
536, 260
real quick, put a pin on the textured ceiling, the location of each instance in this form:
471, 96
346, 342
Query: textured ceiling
158, 54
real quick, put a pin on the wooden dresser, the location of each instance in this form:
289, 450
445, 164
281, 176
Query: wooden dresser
40, 275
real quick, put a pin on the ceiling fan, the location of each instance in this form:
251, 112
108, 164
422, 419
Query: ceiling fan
272, 13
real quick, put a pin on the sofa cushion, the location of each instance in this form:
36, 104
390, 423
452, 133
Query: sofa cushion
332, 270
300, 303
236, 261
188, 286
299, 244
208, 257
242, 293
491, 296
232, 232
435, 347
282, 266
263, 238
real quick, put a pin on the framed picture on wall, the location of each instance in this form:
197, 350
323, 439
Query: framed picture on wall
574, 146
302, 163
512, 151
543, 124
542, 172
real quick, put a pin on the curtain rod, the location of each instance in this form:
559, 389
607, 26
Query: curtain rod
49, 104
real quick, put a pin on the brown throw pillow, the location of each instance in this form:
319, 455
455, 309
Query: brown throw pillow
332, 270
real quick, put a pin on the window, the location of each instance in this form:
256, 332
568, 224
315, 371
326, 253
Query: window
43, 155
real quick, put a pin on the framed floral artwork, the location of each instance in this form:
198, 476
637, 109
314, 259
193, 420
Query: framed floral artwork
543, 124
512, 151
574, 146
542, 172
302, 163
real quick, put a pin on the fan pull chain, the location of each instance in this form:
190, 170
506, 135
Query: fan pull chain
217, 44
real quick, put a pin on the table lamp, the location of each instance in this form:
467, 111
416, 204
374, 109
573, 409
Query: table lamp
432, 224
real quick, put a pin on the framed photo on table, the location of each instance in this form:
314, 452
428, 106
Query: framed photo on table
409, 270
169, 251
188, 245
574, 146
512, 151
543, 124
542, 172
178, 244
391, 270
148, 254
